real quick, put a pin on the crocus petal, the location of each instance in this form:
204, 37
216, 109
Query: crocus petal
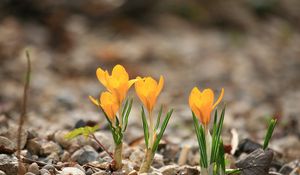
93, 100
131, 82
160, 85
120, 73
208, 97
148, 90
102, 76
219, 99
139, 88
195, 94
109, 104
201, 103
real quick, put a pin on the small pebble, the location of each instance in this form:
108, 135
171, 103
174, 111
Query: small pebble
85, 155
169, 169
65, 156
29, 173
44, 172
50, 168
2, 173
33, 168
101, 172
71, 171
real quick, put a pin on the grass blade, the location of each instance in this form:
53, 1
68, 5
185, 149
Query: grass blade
158, 117
269, 133
127, 114
162, 130
218, 136
221, 157
124, 108
145, 127
213, 145
201, 142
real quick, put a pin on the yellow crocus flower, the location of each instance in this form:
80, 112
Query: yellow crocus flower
109, 103
117, 83
202, 103
148, 90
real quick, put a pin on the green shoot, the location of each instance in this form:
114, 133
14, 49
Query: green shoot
145, 127
125, 113
162, 129
158, 117
269, 133
84, 131
201, 141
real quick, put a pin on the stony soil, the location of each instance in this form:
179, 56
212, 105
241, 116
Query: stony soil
258, 67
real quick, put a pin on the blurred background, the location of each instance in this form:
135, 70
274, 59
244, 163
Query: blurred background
249, 47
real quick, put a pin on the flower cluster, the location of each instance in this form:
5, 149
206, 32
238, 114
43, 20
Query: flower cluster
111, 102
116, 108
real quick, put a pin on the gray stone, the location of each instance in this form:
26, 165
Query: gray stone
29, 173
44, 172
101, 172
79, 167
49, 168
289, 167
2, 173
128, 166
32, 134
9, 164
89, 171
158, 161
33, 168
188, 170
13, 133
72, 171
59, 137
50, 147
7, 146
85, 155
53, 157
65, 156
137, 156
34, 146
169, 169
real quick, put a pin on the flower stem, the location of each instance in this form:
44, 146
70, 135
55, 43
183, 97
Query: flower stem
147, 161
151, 133
118, 156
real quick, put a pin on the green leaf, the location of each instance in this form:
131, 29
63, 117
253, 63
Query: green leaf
85, 131
125, 121
125, 108
145, 127
269, 133
213, 145
217, 137
162, 130
233, 171
221, 157
201, 142
158, 117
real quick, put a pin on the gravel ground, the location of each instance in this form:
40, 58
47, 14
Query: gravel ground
259, 70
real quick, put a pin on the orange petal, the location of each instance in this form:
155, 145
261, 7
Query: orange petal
208, 97
131, 82
102, 76
219, 99
93, 100
120, 73
138, 87
194, 95
160, 85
